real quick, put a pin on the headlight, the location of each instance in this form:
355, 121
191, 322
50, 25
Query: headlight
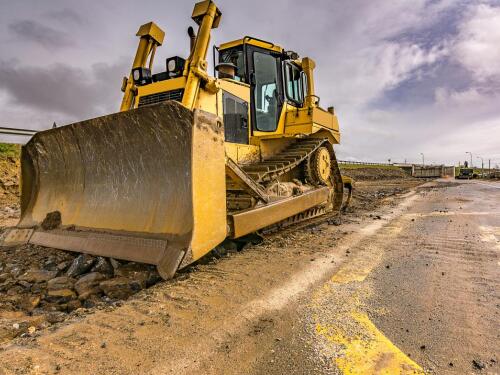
171, 66
141, 76
175, 66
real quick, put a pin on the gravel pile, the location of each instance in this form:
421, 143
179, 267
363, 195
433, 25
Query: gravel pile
42, 285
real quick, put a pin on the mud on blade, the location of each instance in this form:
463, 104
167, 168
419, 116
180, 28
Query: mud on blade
146, 185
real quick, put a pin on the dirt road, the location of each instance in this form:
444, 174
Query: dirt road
406, 286
422, 292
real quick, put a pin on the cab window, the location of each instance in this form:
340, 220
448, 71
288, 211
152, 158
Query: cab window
235, 56
265, 93
294, 84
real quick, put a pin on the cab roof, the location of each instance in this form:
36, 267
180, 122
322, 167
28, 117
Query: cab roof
252, 41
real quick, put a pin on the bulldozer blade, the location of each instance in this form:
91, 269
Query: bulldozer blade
144, 185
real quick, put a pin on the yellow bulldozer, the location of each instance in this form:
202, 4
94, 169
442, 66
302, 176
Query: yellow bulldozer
190, 160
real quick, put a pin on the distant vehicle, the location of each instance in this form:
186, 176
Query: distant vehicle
465, 174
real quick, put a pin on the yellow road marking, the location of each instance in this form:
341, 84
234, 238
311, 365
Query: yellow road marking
359, 347
369, 352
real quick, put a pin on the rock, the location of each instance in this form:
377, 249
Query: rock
6, 285
118, 288
51, 221
136, 272
15, 290
60, 295
102, 265
15, 271
230, 246
8, 332
477, 364
154, 277
50, 266
89, 285
36, 288
63, 265
219, 252
4, 277
73, 305
38, 276
337, 220
25, 284
81, 264
114, 263
55, 317
91, 302
29, 303
62, 282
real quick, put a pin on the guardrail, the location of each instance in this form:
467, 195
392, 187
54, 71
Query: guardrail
361, 162
401, 165
16, 131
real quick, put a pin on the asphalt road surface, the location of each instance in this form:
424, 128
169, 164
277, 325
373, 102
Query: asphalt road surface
410, 288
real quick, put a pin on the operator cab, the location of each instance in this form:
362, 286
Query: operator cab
274, 77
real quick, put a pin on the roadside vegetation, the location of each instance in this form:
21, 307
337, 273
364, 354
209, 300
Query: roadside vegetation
9, 150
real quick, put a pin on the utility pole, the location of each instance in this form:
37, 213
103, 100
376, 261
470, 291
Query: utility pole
468, 152
423, 159
482, 163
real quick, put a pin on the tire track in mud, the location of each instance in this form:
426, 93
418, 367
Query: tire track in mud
441, 292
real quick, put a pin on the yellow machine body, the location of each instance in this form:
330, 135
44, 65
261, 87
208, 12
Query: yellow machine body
189, 160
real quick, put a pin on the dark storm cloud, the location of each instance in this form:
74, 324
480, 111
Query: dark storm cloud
36, 32
401, 74
419, 89
66, 15
61, 88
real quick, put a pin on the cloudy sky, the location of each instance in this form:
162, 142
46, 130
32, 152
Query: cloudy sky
405, 77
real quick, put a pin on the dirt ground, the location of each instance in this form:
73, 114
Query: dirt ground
373, 173
303, 301
9, 190
38, 297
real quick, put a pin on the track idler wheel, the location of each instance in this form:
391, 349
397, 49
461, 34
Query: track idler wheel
319, 167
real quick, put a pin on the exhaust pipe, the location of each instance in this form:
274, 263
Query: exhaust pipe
192, 39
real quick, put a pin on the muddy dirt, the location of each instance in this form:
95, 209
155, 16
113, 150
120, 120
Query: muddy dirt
9, 190
40, 293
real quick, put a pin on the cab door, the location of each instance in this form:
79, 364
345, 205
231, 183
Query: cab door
266, 89
235, 112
